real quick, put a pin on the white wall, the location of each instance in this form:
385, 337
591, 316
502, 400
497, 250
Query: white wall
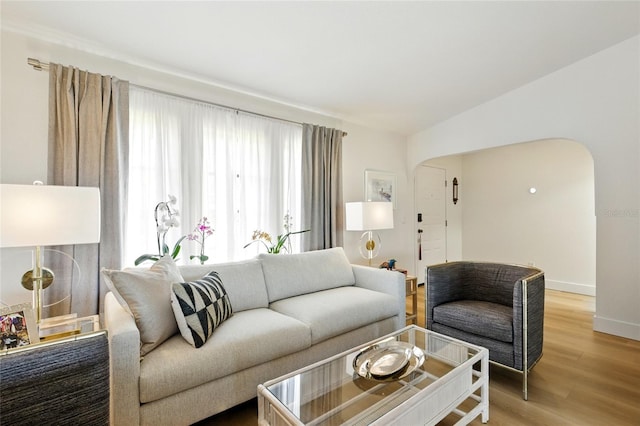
553, 229
25, 100
595, 102
23, 143
384, 151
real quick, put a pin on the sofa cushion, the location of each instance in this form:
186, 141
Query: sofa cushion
246, 339
243, 280
146, 294
336, 311
487, 319
288, 275
200, 307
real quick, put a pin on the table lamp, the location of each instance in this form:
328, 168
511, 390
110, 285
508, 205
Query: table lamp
46, 215
369, 216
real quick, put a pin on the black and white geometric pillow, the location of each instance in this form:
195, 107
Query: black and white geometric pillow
199, 307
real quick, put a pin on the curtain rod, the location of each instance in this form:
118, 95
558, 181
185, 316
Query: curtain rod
44, 66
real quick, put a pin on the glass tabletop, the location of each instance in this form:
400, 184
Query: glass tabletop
332, 392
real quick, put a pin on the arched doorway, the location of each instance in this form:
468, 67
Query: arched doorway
497, 217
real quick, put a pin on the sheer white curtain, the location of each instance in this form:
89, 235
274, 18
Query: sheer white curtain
241, 171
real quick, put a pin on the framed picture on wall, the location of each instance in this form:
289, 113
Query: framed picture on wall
17, 326
380, 186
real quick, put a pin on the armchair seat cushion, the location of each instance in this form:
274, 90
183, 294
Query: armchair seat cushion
499, 352
486, 319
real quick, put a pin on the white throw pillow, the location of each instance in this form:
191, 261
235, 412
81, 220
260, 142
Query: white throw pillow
146, 294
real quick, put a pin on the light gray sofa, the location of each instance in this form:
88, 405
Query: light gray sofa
289, 311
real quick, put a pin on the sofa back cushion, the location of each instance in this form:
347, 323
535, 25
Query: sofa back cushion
243, 281
288, 275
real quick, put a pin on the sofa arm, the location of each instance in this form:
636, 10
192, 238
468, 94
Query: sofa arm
384, 281
124, 360
535, 285
443, 284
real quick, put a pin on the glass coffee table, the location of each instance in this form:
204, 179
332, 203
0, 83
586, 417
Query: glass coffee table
412, 376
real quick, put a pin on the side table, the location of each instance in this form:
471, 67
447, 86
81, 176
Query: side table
412, 290
58, 381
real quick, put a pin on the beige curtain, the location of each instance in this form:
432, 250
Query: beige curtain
88, 146
322, 204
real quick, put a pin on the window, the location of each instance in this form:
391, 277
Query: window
241, 171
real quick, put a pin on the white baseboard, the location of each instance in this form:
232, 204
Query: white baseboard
604, 325
587, 290
616, 327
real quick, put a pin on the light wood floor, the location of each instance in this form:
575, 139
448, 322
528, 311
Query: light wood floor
584, 377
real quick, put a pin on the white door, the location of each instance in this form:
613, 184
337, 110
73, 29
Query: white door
430, 218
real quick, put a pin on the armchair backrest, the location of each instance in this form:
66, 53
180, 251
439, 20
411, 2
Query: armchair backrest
485, 281
492, 282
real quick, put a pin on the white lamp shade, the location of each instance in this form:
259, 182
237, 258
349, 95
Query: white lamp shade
369, 215
45, 215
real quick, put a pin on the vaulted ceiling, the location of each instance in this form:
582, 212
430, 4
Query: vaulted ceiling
401, 66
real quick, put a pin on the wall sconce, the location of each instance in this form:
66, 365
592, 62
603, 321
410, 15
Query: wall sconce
455, 190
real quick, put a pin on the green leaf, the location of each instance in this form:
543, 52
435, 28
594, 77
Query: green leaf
146, 257
279, 246
177, 247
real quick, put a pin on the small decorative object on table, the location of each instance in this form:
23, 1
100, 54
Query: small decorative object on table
389, 264
17, 326
166, 217
388, 360
199, 235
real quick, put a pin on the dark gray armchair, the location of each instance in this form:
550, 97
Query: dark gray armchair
497, 306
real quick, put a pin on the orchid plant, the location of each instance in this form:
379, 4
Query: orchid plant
166, 217
282, 242
199, 235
